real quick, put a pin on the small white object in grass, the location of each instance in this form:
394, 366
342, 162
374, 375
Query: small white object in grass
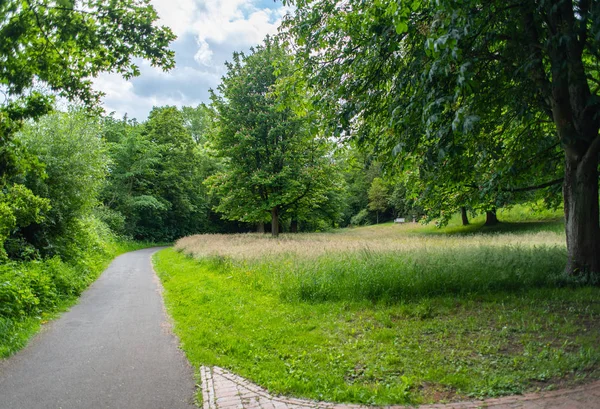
399, 220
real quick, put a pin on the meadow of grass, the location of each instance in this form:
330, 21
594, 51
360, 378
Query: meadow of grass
386, 314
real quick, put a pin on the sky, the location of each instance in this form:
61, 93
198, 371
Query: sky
208, 32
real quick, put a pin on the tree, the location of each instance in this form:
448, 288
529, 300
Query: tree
500, 84
198, 121
378, 197
74, 159
155, 178
402, 201
59, 46
359, 170
273, 164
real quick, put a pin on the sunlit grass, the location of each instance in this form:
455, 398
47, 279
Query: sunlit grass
389, 262
388, 314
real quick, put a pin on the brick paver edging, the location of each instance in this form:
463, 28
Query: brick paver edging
224, 390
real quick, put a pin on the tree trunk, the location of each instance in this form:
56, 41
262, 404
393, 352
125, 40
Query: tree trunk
582, 224
377, 212
464, 216
294, 226
491, 219
275, 221
575, 114
260, 227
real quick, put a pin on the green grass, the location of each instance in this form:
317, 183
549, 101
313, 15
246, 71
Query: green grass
36, 292
376, 327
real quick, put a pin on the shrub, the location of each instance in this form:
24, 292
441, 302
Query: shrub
362, 218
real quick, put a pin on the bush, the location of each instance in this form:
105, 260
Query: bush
362, 218
30, 287
16, 295
112, 218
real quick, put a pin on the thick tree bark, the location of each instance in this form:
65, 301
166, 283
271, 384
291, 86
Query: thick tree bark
464, 216
275, 221
582, 224
260, 227
294, 226
491, 219
575, 114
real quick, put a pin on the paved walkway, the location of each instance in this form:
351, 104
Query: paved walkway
114, 349
223, 390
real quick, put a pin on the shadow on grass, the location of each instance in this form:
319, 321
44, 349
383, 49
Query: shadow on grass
554, 226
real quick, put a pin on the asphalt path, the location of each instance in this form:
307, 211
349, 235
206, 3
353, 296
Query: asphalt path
113, 350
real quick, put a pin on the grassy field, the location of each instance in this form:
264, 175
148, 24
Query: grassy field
386, 314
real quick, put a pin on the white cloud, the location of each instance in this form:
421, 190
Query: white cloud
208, 33
179, 15
204, 54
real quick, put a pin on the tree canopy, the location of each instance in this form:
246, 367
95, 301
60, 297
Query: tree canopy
484, 95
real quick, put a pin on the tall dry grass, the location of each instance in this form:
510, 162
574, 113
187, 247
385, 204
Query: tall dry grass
391, 263
375, 239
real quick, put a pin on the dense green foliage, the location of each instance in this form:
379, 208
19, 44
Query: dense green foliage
155, 186
61, 45
74, 160
51, 171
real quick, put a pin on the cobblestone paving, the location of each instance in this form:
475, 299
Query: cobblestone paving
223, 390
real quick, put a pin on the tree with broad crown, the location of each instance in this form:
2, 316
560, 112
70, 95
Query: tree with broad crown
273, 164
444, 79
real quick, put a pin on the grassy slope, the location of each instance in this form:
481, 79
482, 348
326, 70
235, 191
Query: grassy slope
344, 346
15, 333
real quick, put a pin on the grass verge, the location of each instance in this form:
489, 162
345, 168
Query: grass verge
457, 324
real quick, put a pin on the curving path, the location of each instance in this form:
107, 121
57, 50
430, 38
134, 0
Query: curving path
223, 390
113, 350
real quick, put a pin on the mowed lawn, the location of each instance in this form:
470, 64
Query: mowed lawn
386, 314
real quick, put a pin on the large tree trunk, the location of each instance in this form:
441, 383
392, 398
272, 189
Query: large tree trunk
275, 221
260, 228
491, 219
582, 224
575, 114
464, 216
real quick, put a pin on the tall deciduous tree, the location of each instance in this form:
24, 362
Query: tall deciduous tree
378, 196
273, 163
74, 159
501, 85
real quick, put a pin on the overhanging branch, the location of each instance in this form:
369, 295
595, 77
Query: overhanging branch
536, 187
